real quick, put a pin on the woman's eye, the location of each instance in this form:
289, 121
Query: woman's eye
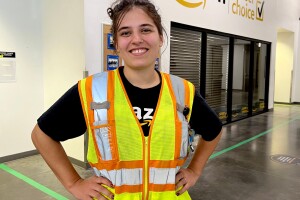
146, 30
125, 33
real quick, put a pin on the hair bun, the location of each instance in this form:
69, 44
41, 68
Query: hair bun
110, 13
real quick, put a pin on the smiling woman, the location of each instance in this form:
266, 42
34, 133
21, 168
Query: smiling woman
130, 113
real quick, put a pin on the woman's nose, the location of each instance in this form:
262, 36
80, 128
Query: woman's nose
137, 38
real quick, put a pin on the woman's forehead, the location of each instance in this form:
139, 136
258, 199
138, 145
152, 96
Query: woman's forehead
136, 17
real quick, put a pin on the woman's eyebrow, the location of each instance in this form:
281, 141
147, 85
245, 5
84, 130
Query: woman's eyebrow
143, 25
122, 28
128, 27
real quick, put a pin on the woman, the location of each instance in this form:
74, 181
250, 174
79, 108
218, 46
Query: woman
137, 120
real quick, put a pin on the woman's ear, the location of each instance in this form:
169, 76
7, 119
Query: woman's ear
161, 41
116, 45
117, 49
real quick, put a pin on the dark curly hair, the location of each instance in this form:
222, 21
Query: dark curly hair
120, 7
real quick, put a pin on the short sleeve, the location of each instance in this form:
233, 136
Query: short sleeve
64, 119
204, 120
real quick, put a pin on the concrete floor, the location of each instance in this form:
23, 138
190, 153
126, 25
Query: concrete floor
240, 169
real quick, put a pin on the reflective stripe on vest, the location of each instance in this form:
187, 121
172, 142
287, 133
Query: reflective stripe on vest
117, 147
134, 176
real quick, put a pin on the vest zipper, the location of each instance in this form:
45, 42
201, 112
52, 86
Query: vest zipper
146, 171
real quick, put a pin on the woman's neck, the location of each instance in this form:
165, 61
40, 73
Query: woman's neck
142, 78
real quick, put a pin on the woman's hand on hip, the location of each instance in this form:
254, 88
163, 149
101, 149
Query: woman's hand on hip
92, 188
185, 178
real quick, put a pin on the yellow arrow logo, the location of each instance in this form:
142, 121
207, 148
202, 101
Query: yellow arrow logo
192, 5
146, 122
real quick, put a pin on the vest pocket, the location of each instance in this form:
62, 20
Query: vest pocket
104, 135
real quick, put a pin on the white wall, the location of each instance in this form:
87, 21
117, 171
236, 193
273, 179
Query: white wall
64, 61
296, 87
21, 102
48, 38
288, 19
284, 66
94, 16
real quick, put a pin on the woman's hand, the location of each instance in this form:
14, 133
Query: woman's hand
185, 178
92, 188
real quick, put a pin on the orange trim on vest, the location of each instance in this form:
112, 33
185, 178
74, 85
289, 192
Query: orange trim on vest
187, 92
187, 96
83, 105
128, 189
111, 165
89, 98
177, 125
161, 187
128, 101
111, 113
166, 164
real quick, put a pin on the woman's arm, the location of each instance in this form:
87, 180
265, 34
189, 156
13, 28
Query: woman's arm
55, 156
189, 176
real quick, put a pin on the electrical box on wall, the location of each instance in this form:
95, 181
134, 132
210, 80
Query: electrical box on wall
7, 66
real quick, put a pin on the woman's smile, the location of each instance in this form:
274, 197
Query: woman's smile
138, 52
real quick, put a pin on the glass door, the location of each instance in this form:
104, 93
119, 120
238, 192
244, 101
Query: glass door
216, 87
259, 77
240, 81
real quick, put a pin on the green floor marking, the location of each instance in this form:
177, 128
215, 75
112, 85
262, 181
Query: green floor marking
60, 197
251, 139
32, 182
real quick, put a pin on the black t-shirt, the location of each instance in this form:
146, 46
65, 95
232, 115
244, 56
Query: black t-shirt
65, 119
143, 101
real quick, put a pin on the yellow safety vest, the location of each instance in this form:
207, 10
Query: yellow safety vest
140, 168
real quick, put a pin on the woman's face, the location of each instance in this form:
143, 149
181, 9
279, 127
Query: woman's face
138, 40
